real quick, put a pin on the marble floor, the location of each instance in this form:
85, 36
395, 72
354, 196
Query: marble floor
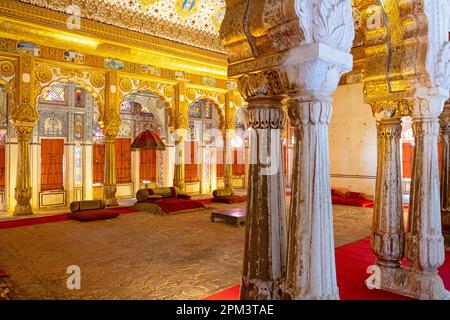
139, 256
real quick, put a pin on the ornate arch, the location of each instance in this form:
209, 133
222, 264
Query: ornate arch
216, 106
166, 92
92, 82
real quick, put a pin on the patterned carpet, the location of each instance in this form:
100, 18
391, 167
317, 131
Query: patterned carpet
138, 256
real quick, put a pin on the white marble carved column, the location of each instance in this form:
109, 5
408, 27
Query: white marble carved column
313, 71
388, 232
265, 237
424, 241
445, 174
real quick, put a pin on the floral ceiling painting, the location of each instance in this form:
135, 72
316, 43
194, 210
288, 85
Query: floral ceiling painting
192, 22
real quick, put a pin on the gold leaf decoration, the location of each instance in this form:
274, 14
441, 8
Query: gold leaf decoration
97, 80
7, 69
43, 74
191, 94
169, 91
125, 85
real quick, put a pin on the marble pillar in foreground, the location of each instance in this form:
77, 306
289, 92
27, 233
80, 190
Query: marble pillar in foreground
265, 237
388, 232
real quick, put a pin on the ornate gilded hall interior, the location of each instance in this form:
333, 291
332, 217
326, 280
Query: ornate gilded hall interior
224, 149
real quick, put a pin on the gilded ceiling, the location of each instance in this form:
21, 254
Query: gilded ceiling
192, 22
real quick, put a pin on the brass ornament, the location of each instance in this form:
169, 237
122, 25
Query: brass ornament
191, 94
125, 85
7, 69
43, 74
24, 113
221, 98
169, 91
97, 80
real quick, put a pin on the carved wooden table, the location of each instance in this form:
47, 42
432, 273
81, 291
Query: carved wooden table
234, 216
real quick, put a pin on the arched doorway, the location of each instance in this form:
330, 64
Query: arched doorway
202, 147
62, 142
140, 111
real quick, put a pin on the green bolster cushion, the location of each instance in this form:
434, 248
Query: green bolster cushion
155, 197
142, 195
87, 205
223, 192
164, 192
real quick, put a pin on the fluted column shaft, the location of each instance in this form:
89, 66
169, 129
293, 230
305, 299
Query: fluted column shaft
445, 174
178, 177
388, 232
265, 236
228, 167
311, 271
110, 187
424, 246
424, 242
23, 180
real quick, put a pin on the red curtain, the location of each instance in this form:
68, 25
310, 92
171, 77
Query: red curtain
2, 167
220, 163
52, 155
99, 163
123, 160
190, 166
239, 162
147, 165
408, 155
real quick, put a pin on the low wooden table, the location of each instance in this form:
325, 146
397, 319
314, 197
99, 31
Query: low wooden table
234, 216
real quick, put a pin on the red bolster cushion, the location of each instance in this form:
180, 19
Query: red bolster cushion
354, 195
93, 215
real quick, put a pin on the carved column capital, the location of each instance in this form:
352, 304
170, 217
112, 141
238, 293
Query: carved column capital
265, 113
261, 84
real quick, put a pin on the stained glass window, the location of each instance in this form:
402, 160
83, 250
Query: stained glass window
77, 160
78, 98
208, 110
54, 94
126, 106
195, 111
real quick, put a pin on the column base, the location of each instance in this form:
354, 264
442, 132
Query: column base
291, 296
23, 210
110, 196
407, 282
259, 290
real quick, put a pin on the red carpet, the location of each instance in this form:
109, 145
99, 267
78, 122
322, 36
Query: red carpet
56, 218
205, 201
352, 261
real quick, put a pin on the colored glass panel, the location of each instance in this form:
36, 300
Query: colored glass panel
54, 94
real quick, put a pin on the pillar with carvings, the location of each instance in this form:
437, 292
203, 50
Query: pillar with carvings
315, 67
110, 186
23, 180
388, 232
180, 135
178, 177
424, 241
228, 166
265, 241
24, 116
445, 173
